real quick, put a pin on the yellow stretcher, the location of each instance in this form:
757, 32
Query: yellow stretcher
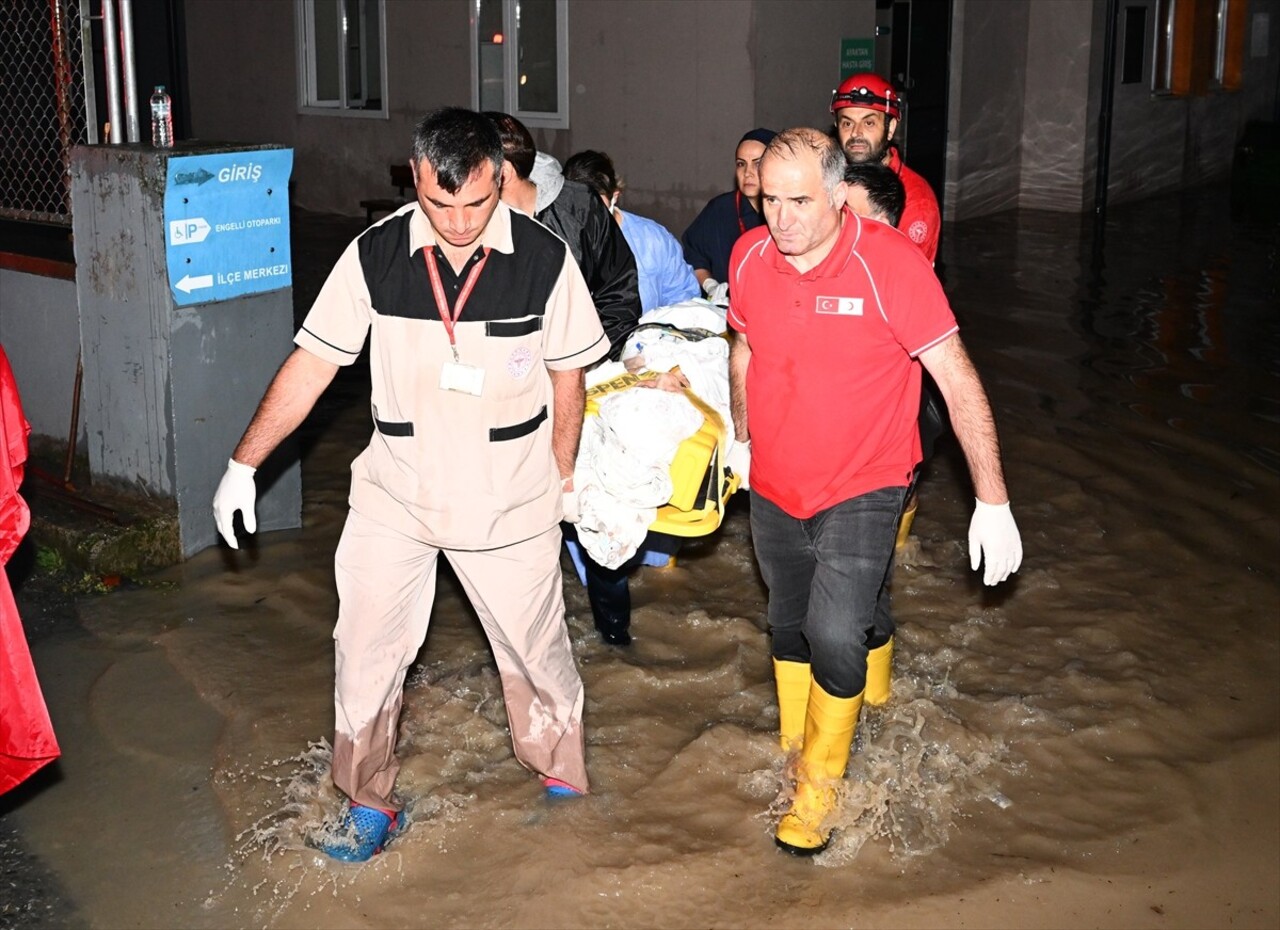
701, 481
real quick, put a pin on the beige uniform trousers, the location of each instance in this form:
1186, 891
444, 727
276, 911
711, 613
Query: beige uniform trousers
386, 585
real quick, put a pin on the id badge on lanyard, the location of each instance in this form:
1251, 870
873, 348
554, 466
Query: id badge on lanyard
455, 375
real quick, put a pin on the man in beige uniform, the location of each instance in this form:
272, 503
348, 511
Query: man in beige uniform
480, 326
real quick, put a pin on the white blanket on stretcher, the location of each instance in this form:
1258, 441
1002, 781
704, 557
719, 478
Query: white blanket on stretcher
624, 460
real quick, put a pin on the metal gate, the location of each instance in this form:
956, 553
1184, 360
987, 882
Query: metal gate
46, 105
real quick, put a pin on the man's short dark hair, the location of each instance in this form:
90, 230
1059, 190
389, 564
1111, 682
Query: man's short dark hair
517, 142
885, 192
594, 169
456, 143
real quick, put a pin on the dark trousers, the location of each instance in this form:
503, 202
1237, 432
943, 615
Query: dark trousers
828, 583
607, 589
609, 594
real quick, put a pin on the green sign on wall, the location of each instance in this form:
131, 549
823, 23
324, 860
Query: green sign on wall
857, 55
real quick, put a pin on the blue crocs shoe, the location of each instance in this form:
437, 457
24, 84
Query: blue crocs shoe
360, 835
556, 789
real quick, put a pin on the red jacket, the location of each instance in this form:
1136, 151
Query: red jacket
26, 734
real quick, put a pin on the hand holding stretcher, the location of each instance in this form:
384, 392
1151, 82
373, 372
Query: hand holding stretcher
654, 452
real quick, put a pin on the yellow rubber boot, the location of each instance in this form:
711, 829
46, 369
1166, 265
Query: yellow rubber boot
879, 667
828, 736
904, 523
793, 680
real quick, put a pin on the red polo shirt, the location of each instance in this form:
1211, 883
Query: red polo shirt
921, 220
833, 390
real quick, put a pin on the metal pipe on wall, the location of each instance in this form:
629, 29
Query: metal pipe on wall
127, 70
90, 86
111, 60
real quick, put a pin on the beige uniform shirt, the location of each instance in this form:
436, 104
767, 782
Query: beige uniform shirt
454, 469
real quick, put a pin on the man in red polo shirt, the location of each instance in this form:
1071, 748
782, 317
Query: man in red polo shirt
867, 110
832, 313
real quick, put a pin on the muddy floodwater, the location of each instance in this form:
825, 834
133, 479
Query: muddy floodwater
1094, 744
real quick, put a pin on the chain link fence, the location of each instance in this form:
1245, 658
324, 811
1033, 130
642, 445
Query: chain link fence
42, 106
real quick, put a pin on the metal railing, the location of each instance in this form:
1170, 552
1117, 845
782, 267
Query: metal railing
46, 105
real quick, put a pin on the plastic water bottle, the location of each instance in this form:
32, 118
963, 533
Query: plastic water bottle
161, 119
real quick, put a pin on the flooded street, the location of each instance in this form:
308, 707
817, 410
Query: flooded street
1094, 744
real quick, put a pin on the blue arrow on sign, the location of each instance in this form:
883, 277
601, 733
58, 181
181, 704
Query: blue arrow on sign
197, 177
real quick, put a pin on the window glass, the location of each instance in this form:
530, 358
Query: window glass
327, 29
1135, 42
537, 55
341, 56
520, 60
490, 39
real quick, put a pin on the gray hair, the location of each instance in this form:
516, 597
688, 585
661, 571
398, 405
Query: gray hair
831, 158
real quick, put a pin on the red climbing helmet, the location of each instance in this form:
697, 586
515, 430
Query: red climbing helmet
869, 90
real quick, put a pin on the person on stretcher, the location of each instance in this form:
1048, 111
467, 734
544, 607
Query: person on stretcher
654, 464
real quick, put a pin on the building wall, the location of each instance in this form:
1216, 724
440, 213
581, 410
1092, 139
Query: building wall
40, 331
1148, 132
1026, 97
1162, 142
1260, 96
666, 87
797, 57
644, 88
1057, 150
986, 112
243, 77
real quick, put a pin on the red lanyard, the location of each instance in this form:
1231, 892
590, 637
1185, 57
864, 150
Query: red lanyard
737, 209
442, 302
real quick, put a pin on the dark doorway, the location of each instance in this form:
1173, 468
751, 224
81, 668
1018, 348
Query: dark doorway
919, 68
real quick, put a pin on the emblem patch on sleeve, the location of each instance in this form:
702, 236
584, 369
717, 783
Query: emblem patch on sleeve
917, 231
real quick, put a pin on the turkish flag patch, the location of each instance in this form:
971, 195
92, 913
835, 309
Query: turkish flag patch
840, 306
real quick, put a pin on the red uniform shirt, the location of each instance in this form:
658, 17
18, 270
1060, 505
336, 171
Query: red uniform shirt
833, 391
921, 220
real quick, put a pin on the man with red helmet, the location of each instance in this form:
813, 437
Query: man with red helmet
867, 110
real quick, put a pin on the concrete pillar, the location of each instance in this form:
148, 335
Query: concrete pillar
184, 281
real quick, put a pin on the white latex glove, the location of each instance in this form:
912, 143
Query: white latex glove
569, 502
236, 491
994, 538
717, 293
739, 462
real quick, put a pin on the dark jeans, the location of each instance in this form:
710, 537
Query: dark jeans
607, 588
610, 595
828, 583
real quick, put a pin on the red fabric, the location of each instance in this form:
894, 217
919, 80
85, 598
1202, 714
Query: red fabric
26, 733
833, 391
921, 220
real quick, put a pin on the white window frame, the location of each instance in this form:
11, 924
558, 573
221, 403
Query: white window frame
305, 44
1162, 40
1221, 18
534, 119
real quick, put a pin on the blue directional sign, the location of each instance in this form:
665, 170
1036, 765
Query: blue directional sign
226, 224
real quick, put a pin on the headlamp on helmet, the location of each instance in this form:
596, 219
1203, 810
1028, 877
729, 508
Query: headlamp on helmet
869, 91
